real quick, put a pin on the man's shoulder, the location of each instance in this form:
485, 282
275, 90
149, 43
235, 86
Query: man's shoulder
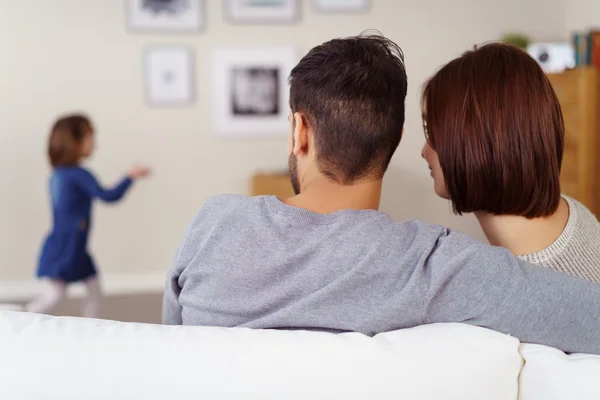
225, 200
212, 214
442, 243
217, 207
227, 203
419, 228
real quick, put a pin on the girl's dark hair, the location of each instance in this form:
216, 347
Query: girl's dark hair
65, 138
496, 124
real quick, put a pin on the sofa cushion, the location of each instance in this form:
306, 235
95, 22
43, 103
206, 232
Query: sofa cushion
550, 374
73, 358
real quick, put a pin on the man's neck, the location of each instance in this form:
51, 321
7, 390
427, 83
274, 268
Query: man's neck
324, 196
521, 235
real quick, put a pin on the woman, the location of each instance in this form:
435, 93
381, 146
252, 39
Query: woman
495, 137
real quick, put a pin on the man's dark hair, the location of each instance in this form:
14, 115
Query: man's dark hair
352, 93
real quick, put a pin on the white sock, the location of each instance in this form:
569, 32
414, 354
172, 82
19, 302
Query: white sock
91, 303
52, 293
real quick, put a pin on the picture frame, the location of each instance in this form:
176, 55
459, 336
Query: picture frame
165, 16
250, 91
341, 6
261, 11
169, 76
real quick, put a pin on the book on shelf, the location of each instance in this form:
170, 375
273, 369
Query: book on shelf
582, 50
587, 48
595, 48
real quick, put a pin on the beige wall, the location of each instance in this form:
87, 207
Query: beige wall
61, 55
582, 15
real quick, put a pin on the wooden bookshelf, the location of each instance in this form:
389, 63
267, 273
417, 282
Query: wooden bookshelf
578, 92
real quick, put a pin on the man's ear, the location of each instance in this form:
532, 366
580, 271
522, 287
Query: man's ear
300, 134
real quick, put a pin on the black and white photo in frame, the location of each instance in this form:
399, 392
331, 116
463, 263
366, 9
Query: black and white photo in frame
262, 11
165, 15
250, 92
255, 91
169, 76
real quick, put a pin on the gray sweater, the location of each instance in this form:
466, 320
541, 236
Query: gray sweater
258, 263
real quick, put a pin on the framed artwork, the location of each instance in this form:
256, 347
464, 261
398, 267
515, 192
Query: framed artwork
175, 16
341, 6
262, 11
169, 76
250, 93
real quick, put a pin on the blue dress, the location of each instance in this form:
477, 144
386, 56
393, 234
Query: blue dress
64, 255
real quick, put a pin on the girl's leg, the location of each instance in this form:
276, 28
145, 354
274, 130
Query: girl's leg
54, 291
91, 304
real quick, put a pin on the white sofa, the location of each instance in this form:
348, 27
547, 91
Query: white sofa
45, 357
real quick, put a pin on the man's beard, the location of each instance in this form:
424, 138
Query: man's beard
293, 167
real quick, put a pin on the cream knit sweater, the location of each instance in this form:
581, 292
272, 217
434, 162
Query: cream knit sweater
577, 250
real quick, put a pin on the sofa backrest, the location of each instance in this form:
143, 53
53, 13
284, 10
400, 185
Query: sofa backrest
550, 374
45, 357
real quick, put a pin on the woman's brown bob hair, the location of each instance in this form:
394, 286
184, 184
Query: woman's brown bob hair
496, 124
65, 140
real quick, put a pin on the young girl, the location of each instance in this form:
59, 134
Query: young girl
64, 258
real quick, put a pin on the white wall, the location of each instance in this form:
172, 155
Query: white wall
63, 55
582, 15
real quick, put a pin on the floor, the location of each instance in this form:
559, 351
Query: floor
128, 308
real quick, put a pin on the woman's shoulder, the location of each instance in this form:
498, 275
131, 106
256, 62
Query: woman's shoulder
577, 250
581, 216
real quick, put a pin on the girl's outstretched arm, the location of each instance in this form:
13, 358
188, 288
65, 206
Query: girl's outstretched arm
90, 185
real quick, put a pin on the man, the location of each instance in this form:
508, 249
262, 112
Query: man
326, 259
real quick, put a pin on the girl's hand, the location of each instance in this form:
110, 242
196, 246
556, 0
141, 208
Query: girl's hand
139, 172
